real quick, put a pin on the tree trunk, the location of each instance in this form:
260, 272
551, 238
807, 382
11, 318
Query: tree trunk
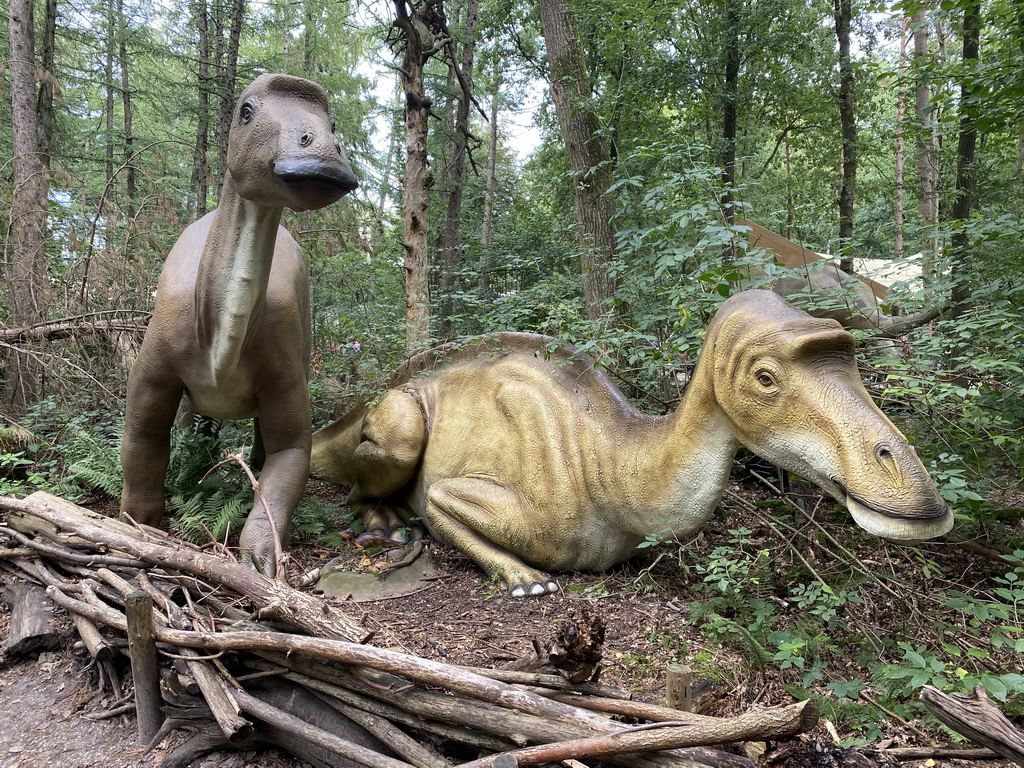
901, 114
927, 148
959, 242
848, 134
25, 268
47, 80
588, 150
126, 103
730, 98
415, 25
450, 238
487, 226
200, 163
228, 76
108, 84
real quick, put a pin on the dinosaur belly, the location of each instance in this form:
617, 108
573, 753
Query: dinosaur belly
225, 402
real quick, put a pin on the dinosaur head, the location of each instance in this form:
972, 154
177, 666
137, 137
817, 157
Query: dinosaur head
789, 386
281, 147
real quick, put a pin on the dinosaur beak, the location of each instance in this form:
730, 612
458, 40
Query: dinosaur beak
311, 172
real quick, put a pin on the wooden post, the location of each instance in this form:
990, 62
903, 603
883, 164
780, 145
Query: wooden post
679, 687
145, 672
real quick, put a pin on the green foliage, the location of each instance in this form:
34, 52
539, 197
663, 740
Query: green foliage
93, 460
210, 495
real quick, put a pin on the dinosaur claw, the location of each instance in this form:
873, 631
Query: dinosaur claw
533, 589
399, 534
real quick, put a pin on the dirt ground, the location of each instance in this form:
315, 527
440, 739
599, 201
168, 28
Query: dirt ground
48, 706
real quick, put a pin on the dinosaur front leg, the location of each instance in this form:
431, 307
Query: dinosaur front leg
392, 439
484, 519
286, 431
146, 444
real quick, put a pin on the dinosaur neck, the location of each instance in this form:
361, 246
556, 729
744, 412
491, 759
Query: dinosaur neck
687, 458
231, 287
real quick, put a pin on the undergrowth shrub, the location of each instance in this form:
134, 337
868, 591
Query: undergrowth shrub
209, 494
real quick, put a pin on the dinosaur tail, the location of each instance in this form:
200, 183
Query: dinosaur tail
334, 445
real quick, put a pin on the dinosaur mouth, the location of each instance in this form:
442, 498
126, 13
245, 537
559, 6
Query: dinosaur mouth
319, 176
904, 527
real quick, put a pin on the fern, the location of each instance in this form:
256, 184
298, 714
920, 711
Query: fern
210, 514
93, 458
211, 507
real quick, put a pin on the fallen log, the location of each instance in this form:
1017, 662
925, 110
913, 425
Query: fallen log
31, 629
99, 323
975, 717
753, 726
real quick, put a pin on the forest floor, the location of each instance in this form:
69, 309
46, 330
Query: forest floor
460, 617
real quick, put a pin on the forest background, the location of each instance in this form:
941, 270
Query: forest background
858, 129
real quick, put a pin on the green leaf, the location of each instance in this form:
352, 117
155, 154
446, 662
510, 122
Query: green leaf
995, 687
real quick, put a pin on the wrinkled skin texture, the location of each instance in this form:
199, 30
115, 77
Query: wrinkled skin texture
231, 325
531, 462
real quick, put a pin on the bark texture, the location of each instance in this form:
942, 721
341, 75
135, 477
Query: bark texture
927, 145
848, 128
419, 27
966, 145
588, 150
25, 258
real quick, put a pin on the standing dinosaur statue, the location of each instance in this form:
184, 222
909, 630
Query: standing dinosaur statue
530, 460
231, 325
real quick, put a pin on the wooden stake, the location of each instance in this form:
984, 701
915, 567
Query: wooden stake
145, 672
679, 687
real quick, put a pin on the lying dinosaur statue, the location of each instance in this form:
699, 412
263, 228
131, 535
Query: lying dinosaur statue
529, 461
231, 325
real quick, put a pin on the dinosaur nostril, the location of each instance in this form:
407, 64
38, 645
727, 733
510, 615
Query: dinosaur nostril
886, 458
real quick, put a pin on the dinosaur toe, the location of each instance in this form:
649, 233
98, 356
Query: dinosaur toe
533, 589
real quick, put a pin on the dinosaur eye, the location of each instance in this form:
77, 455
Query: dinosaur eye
765, 379
245, 113
334, 125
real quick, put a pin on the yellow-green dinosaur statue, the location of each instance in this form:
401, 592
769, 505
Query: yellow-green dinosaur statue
531, 461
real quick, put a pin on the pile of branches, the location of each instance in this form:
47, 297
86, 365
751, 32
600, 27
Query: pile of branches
240, 660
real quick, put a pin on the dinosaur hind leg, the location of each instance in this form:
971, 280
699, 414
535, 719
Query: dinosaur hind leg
391, 444
482, 519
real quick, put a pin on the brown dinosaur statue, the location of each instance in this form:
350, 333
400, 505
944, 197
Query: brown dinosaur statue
231, 324
828, 291
528, 459
817, 285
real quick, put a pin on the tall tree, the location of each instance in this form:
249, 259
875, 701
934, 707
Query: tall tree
730, 97
128, 111
588, 150
25, 259
927, 144
965, 151
227, 75
421, 26
201, 160
47, 80
848, 132
449, 238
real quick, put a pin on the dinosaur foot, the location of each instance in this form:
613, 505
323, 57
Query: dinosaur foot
395, 537
533, 588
